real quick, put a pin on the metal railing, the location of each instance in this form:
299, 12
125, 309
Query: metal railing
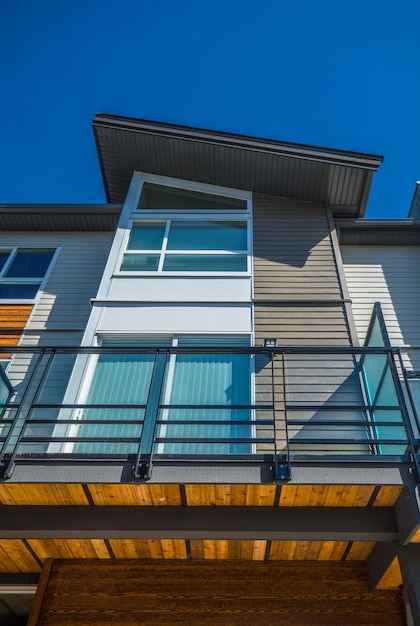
200, 404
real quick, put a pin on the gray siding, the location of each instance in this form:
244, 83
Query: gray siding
297, 293
64, 305
389, 275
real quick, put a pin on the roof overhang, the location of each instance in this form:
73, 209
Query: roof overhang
391, 232
85, 217
336, 178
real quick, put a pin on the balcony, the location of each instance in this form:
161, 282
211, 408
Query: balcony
151, 406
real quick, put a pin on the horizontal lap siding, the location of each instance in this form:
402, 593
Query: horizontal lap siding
218, 592
294, 260
389, 275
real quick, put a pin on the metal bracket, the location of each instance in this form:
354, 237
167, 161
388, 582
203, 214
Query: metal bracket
282, 473
143, 471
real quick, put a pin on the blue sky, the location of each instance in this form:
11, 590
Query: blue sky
326, 73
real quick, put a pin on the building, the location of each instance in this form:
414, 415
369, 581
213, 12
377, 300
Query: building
209, 390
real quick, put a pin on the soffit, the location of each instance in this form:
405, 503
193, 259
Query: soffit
378, 232
335, 178
66, 217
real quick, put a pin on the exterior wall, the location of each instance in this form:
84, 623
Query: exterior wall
64, 305
297, 293
221, 592
389, 275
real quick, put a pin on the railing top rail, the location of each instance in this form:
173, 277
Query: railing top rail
279, 350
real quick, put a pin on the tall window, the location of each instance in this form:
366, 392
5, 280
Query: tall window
22, 271
176, 245
209, 387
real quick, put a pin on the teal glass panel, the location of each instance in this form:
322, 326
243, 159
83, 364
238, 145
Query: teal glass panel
140, 263
118, 379
16, 291
209, 379
375, 336
205, 263
381, 391
30, 263
5, 388
147, 236
201, 235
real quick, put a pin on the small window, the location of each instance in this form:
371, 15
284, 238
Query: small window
187, 246
159, 197
22, 271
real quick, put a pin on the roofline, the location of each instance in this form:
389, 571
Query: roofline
233, 140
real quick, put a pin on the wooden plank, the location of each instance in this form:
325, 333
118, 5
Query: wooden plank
387, 495
392, 578
16, 558
45, 493
134, 495
360, 550
416, 537
149, 548
69, 548
40, 593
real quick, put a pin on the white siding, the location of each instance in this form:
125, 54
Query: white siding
65, 302
389, 275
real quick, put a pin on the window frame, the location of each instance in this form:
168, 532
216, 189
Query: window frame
41, 281
163, 252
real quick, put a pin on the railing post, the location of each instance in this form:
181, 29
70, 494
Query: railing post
281, 468
144, 461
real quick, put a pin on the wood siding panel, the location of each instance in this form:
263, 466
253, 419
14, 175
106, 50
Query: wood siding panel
221, 592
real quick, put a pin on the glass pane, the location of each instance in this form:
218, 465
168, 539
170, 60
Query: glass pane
30, 263
118, 379
18, 290
209, 379
4, 255
140, 263
207, 236
147, 236
205, 263
161, 197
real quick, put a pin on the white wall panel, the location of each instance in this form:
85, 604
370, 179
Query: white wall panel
175, 319
167, 289
391, 276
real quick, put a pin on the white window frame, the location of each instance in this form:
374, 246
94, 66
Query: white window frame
41, 281
162, 252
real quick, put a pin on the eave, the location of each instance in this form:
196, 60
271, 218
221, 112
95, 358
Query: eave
336, 178
391, 232
64, 217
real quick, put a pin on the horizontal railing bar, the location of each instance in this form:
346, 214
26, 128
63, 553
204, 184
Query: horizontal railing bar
215, 422
48, 405
33, 439
365, 424
342, 407
367, 441
199, 350
232, 440
262, 407
35, 422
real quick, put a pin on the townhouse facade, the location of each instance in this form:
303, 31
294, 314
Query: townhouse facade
210, 390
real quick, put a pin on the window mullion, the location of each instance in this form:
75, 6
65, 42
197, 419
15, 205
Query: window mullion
164, 246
